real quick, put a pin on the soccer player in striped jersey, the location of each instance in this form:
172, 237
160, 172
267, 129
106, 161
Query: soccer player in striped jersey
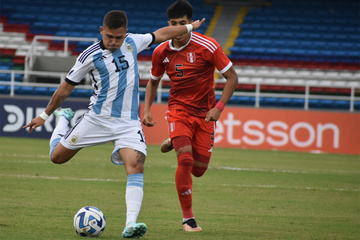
114, 106
190, 61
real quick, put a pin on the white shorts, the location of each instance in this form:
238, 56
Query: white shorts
93, 129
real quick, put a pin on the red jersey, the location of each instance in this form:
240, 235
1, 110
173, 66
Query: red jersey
191, 71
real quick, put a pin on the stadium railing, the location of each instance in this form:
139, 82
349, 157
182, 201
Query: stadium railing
30, 56
15, 85
256, 98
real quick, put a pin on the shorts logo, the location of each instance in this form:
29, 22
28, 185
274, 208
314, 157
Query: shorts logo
172, 126
74, 139
191, 57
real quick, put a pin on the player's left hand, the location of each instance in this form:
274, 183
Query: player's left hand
213, 115
196, 24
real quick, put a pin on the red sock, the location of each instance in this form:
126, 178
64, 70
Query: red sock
183, 183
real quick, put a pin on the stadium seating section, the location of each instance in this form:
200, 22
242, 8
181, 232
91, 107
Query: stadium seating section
322, 31
83, 18
283, 42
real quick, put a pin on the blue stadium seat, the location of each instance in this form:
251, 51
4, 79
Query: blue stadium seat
5, 77
284, 102
78, 92
4, 89
297, 102
26, 90
321, 35
41, 91
269, 101
357, 105
341, 104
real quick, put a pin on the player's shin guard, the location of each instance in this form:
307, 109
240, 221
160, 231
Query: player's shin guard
134, 196
183, 182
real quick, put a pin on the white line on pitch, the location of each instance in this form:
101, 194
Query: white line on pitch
280, 171
119, 180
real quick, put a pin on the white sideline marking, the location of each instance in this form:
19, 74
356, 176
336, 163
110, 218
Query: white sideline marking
61, 178
48, 161
225, 185
258, 170
280, 171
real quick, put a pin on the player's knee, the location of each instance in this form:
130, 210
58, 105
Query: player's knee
56, 159
182, 144
185, 159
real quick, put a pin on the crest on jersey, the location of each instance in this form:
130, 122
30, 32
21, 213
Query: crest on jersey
191, 57
129, 47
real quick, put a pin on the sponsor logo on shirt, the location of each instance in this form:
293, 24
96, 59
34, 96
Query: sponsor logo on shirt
166, 60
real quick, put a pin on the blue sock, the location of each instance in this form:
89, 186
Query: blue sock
60, 130
53, 144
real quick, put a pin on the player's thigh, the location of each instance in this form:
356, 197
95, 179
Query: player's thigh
179, 124
88, 131
62, 154
203, 141
130, 143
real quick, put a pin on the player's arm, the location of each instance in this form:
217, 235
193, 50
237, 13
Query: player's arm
63, 91
166, 33
150, 94
229, 88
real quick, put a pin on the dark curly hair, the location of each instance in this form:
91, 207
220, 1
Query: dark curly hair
180, 9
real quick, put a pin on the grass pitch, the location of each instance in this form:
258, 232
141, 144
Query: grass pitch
244, 194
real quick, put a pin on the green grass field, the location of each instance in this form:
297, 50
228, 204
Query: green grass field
244, 194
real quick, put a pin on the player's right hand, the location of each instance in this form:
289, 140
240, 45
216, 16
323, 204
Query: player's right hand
36, 122
147, 119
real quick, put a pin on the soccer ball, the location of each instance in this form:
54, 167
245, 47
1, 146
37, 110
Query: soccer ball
89, 222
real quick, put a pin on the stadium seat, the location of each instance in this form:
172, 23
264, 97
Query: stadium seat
4, 89
300, 34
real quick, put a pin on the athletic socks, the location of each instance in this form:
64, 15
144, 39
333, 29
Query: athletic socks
183, 181
134, 196
61, 128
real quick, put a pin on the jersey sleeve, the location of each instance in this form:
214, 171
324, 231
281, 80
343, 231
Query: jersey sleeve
157, 70
220, 60
142, 41
79, 70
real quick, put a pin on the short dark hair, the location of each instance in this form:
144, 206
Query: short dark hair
180, 9
115, 19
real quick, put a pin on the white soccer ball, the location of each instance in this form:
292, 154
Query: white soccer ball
89, 222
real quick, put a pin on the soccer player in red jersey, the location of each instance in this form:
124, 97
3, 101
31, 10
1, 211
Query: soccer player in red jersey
190, 61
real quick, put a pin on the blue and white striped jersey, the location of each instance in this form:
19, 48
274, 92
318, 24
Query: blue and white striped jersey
115, 76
